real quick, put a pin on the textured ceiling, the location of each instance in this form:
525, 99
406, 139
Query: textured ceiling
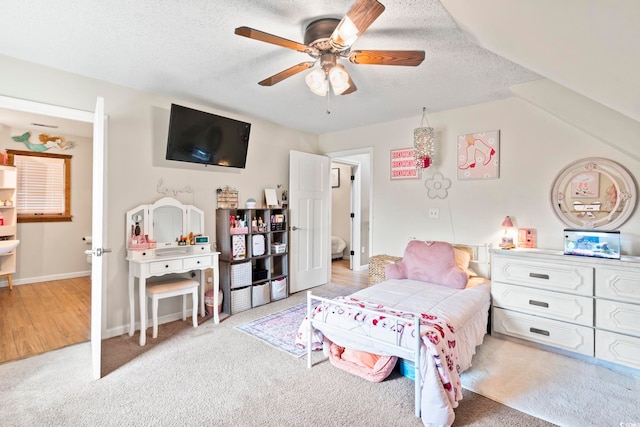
188, 51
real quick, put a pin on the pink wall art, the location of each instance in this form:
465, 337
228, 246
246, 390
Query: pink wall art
479, 155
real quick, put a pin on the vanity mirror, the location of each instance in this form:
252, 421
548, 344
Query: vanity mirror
593, 193
164, 222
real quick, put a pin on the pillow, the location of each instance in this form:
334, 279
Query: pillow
362, 358
477, 280
463, 255
379, 371
432, 262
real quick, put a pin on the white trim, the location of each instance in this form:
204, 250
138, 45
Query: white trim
45, 109
29, 280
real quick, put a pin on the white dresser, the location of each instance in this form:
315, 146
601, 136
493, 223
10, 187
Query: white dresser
584, 305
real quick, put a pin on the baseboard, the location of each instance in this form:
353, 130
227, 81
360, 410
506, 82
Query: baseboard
29, 280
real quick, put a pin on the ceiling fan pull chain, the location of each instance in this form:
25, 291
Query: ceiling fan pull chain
328, 95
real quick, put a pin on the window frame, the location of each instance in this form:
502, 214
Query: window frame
63, 217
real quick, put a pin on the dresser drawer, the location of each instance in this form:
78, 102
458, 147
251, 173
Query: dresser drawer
622, 284
617, 348
165, 266
618, 317
555, 305
198, 262
567, 336
543, 275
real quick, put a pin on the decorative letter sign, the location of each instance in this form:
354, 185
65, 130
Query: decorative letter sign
403, 164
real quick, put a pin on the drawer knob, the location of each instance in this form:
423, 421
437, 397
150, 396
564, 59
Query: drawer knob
539, 276
539, 303
539, 331
197, 262
166, 266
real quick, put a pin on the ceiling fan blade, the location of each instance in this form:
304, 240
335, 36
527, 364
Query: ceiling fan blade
276, 78
270, 38
387, 57
355, 22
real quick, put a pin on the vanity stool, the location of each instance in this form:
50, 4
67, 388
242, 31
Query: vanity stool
171, 289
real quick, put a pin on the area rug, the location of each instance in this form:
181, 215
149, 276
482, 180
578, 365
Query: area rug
279, 329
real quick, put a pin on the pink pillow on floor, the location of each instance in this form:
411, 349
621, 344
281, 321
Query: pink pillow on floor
432, 262
355, 362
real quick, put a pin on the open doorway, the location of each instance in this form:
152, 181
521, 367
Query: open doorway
351, 206
51, 299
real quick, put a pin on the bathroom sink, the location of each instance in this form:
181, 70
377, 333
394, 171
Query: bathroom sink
8, 246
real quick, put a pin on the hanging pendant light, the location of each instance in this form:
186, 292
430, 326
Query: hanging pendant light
424, 143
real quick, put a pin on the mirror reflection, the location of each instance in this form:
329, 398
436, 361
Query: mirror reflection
167, 223
593, 193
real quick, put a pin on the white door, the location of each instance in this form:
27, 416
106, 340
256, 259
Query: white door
309, 204
97, 237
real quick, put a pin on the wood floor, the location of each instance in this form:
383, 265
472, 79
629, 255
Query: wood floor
341, 275
40, 317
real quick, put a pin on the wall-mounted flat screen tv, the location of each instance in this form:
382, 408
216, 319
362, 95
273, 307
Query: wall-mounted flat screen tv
206, 138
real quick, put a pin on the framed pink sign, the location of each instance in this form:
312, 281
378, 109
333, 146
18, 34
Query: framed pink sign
403, 164
479, 155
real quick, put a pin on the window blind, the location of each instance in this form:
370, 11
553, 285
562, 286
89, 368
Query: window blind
40, 185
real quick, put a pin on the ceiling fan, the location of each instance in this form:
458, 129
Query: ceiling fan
328, 40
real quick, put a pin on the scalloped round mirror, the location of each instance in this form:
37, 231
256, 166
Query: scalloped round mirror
593, 193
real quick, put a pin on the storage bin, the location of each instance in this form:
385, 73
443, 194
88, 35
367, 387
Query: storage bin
260, 294
407, 369
278, 248
240, 299
377, 265
208, 302
259, 274
241, 274
278, 289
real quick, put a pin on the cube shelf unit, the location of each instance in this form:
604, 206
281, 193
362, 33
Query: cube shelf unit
8, 229
254, 260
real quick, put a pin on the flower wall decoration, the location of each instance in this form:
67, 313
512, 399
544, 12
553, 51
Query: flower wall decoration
437, 186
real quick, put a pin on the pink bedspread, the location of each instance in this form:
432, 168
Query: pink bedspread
438, 349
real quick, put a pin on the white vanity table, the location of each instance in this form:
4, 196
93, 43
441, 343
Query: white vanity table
163, 222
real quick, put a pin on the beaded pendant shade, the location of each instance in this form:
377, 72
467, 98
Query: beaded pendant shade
424, 143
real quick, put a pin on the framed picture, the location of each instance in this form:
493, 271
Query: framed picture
586, 185
270, 197
335, 177
403, 164
479, 155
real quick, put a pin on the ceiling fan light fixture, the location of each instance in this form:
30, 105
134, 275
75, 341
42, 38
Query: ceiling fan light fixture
317, 82
345, 34
339, 78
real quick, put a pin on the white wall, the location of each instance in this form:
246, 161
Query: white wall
54, 250
534, 147
136, 130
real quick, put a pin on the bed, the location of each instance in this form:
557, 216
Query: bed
337, 247
431, 310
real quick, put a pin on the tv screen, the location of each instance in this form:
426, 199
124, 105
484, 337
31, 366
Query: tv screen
200, 137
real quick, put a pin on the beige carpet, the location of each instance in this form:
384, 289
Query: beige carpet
560, 389
215, 375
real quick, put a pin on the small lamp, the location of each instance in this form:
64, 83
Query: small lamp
507, 239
